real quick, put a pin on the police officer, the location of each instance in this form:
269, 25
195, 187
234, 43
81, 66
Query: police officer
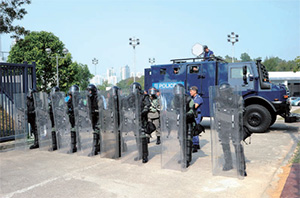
53, 133
181, 100
73, 88
144, 102
31, 118
93, 97
154, 111
207, 52
226, 104
198, 102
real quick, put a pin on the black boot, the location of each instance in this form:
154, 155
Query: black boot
195, 148
36, 141
227, 156
145, 152
96, 145
158, 140
239, 151
54, 141
73, 142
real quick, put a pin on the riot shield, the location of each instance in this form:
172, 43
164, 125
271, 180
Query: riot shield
226, 109
43, 121
83, 126
130, 126
173, 128
108, 102
61, 120
20, 122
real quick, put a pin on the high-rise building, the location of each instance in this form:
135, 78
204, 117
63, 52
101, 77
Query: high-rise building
125, 72
111, 76
97, 80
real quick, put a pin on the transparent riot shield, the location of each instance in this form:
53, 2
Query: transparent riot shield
108, 102
43, 122
130, 126
83, 126
20, 122
226, 109
173, 128
61, 120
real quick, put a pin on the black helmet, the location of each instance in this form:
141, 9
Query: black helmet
178, 89
224, 86
205, 47
135, 86
55, 89
92, 88
225, 90
30, 92
114, 90
152, 91
73, 89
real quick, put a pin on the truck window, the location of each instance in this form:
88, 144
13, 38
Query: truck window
163, 71
176, 70
194, 69
237, 72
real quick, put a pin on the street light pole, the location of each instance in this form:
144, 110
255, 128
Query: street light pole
152, 61
233, 38
134, 42
95, 62
49, 51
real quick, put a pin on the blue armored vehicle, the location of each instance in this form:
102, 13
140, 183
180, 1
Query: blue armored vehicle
263, 100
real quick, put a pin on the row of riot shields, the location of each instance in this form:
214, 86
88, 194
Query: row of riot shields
120, 126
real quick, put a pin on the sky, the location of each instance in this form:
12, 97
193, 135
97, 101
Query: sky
167, 29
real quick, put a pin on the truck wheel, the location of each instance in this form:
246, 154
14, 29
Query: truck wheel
257, 118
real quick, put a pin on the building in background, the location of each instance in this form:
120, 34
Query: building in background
290, 79
125, 72
111, 76
97, 80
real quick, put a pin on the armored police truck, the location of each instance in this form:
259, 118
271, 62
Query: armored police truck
263, 100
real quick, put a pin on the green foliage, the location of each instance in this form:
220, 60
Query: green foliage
125, 84
297, 61
277, 64
32, 49
104, 85
245, 57
229, 59
9, 12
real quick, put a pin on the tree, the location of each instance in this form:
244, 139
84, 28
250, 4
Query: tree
104, 85
245, 57
297, 67
9, 12
229, 59
125, 84
32, 49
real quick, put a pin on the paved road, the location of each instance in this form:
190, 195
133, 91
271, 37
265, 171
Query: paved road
51, 174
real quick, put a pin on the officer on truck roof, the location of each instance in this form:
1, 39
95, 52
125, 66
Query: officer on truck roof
207, 52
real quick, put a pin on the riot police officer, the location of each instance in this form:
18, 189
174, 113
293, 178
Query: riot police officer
31, 118
73, 88
144, 102
154, 112
94, 109
53, 132
187, 117
226, 105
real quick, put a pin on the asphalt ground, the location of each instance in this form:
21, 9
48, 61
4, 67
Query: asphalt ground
36, 173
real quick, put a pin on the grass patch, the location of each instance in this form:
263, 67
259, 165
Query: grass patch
296, 156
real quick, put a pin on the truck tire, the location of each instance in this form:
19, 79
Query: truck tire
257, 118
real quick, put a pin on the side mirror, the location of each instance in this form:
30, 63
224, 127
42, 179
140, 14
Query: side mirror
245, 75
